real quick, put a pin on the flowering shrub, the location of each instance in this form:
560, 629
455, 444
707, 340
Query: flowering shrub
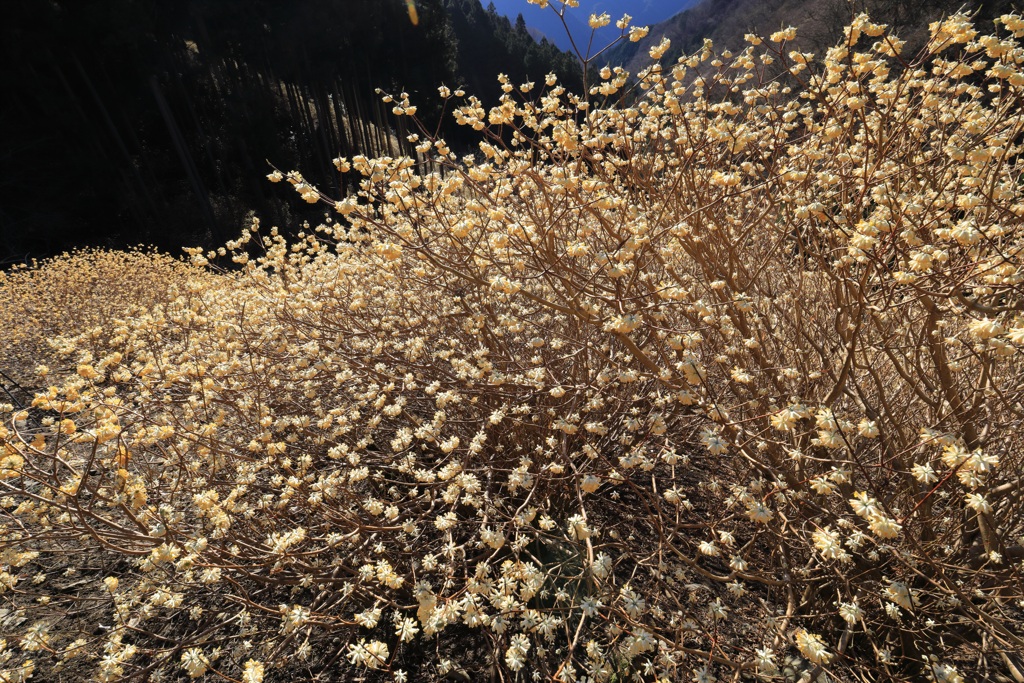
725, 383
77, 292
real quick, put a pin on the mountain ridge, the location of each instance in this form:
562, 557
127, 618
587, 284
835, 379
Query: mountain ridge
820, 23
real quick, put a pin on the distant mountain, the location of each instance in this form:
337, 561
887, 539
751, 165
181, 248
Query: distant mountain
644, 13
820, 23
536, 34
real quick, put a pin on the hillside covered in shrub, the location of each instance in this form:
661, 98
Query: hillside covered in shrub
724, 384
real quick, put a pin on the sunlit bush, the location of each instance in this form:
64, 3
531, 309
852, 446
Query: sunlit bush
77, 292
722, 384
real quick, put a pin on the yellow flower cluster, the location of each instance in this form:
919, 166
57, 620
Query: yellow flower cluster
82, 291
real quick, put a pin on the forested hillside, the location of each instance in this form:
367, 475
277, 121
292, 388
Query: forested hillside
550, 25
131, 121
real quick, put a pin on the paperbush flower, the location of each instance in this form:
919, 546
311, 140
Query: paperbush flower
812, 647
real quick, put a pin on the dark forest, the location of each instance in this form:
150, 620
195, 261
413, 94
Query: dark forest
145, 122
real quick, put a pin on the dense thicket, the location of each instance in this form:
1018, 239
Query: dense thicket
142, 121
725, 384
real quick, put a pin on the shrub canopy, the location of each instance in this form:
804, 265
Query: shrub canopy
725, 382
